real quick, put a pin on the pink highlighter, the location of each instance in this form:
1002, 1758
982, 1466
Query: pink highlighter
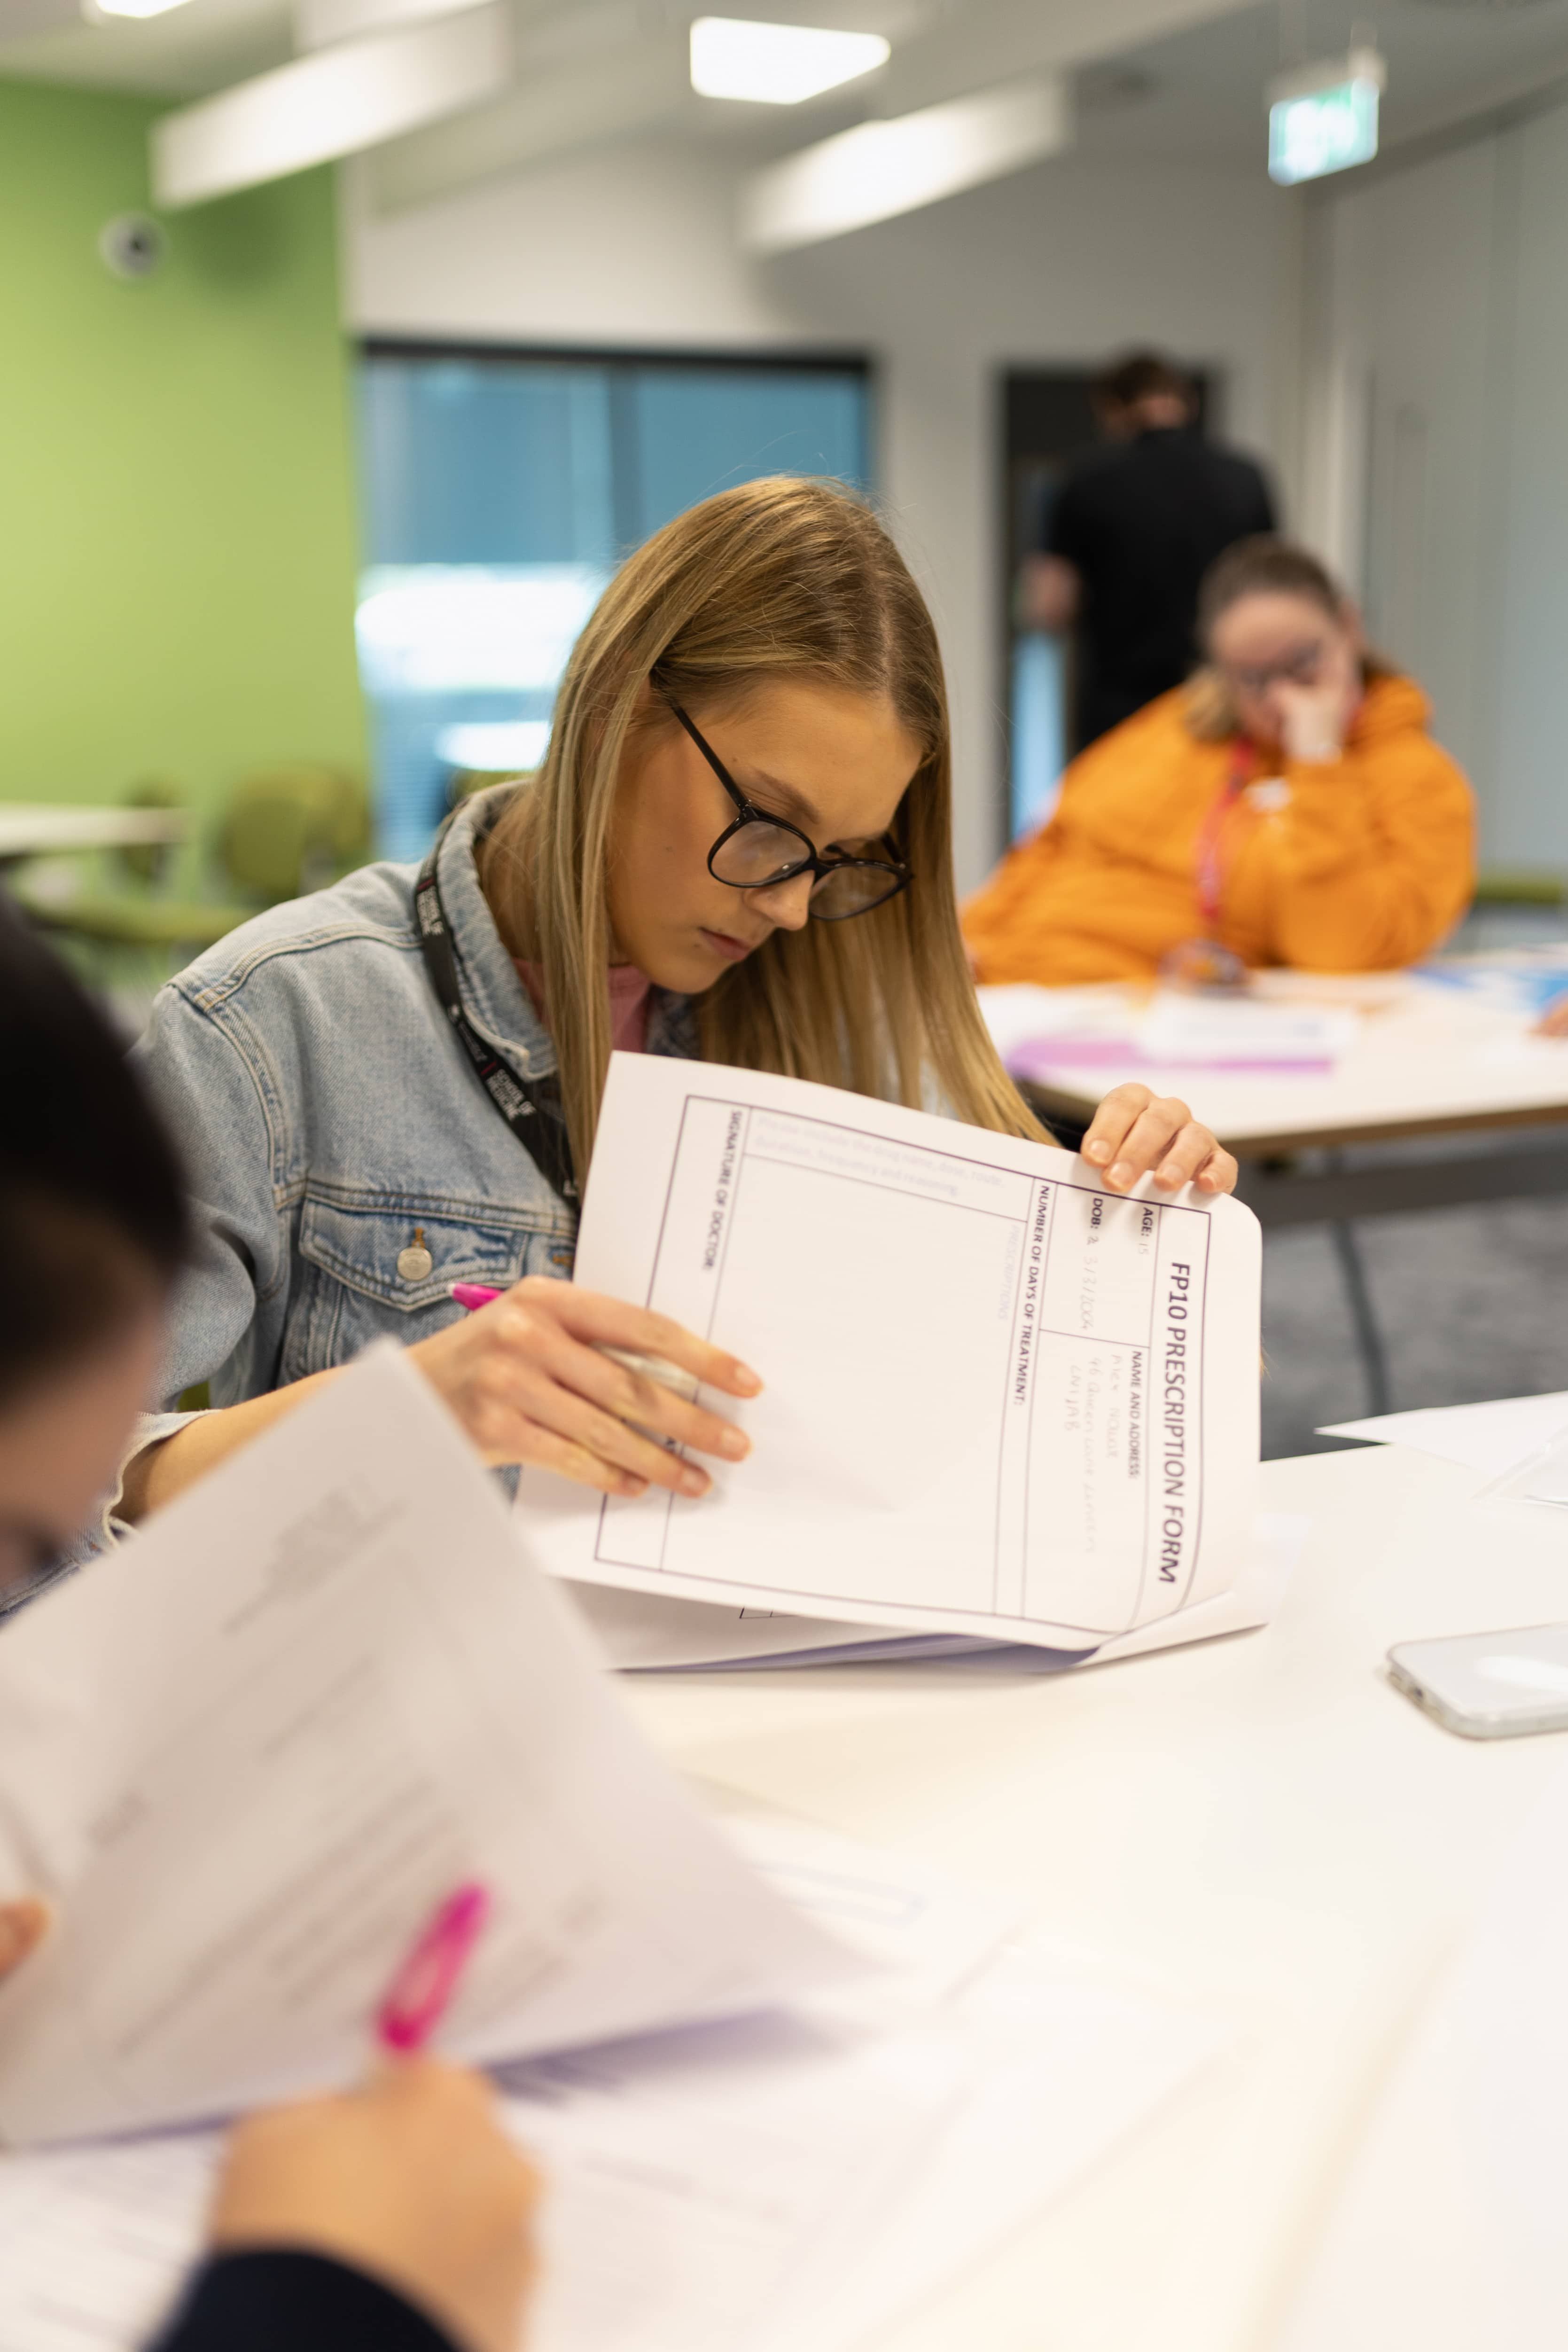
423, 1990
472, 1295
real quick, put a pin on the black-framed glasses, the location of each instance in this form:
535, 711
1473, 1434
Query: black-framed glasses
757, 850
1298, 668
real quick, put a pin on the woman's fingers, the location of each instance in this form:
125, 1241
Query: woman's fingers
1133, 1132
614, 1400
1192, 1156
541, 1449
550, 1403
513, 1405
1218, 1172
530, 1380
639, 1398
1119, 1134
23, 1923
612, 1323
1136, 1133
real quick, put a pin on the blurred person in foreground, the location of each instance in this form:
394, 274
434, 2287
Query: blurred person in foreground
1286, 806
1134, 529
396, 2216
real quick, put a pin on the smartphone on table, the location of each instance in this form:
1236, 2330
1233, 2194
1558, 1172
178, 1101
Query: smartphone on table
1489, 1685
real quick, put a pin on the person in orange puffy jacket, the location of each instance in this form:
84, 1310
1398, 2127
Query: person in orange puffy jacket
1286, 806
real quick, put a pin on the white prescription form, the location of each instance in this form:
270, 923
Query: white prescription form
999, 1400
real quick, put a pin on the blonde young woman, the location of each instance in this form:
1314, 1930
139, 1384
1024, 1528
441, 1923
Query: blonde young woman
738, 848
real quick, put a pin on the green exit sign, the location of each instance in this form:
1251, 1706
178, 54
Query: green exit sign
1325, 119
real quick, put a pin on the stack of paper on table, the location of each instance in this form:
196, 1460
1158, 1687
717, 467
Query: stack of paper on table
246, 1755
1003, 1405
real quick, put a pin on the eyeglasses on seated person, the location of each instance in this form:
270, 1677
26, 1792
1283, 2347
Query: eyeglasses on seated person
758, 851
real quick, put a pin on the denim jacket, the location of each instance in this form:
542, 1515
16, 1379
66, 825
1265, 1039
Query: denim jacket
335, 1134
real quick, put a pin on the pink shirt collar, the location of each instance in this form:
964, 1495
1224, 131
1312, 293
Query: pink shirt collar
629, 992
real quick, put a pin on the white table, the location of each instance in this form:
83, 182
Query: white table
1425, 1065
1260, 1821
38, 829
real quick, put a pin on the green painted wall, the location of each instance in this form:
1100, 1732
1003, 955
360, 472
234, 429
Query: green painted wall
177, 525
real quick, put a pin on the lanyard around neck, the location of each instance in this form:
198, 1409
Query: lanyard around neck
1211, 838
531, 1106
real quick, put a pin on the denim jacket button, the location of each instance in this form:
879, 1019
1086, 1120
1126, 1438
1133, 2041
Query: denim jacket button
414, 1263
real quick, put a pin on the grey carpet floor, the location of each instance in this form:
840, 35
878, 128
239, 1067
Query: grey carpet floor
1472, 1303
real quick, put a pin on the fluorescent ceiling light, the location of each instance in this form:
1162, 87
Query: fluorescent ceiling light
94, 9
318, 23
776, 65
880, 169
335, 103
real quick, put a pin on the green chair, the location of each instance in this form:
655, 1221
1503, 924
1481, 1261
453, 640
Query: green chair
286, 830
1525, 885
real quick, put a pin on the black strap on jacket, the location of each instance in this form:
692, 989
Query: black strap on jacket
531, 1106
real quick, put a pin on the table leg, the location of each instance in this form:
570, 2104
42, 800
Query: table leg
1364, 1317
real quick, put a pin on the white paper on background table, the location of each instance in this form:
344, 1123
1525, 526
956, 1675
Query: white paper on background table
1000, 1401
1492, 1436
1076, 1032
1521, 981
250, 1752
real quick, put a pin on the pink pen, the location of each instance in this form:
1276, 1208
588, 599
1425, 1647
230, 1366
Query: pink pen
473, 1295
421, 1992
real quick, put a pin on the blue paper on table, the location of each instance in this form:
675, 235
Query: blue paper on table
1525, 982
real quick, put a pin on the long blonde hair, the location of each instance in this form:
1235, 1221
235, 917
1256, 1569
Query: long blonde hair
779, 578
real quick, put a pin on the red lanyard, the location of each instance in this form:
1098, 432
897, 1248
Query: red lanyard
1211, 838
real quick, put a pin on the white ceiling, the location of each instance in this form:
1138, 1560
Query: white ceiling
1172, 77
1200, 91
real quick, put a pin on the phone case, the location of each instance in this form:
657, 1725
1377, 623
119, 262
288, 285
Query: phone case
1489, 1685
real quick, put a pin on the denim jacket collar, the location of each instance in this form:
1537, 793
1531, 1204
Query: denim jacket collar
495, 998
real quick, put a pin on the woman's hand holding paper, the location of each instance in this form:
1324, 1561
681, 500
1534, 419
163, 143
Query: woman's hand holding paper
1136, 1131
529, 1382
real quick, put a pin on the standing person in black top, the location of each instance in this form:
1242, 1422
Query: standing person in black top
1132, 532
394, 2218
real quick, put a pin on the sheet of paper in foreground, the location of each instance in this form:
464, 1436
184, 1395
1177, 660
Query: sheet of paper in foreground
249, 1753
787, 2183
999, 1400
